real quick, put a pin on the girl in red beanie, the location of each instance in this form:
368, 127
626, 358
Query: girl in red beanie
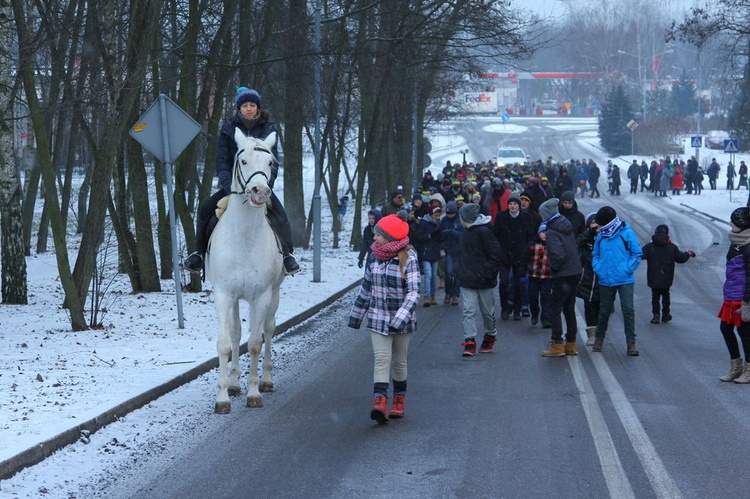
388, 299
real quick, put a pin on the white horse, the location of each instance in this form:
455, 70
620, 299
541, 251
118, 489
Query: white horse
244, 262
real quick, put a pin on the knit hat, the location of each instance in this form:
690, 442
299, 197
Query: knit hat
567, 196
469, 213
527, 196
514, 198
741, 218
245, 94
393, 227
549, 208
606, 214
397, 192
451, 207
590, 218
497, 181
662, 229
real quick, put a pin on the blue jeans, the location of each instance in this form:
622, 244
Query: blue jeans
452, 287
564, 302
607, 301
430, 271
514, 272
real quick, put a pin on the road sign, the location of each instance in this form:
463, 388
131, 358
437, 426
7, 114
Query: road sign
632, 125
181, 129
731, 146
568, 105
505, 117
696, 141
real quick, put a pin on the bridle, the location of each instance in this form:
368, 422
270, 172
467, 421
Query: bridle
239, 175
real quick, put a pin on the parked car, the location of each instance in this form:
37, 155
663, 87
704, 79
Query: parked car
715, 139
508, 156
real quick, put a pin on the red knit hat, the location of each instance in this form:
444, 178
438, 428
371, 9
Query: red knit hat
393, 227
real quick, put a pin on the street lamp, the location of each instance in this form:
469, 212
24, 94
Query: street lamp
464, 152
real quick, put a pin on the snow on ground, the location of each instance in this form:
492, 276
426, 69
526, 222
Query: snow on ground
53, 379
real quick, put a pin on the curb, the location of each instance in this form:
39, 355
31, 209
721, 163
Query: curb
36, 454
711, 217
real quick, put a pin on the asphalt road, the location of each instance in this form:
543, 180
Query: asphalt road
506, 424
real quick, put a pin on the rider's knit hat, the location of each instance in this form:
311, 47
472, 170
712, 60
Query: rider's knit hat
245, 94
393, 227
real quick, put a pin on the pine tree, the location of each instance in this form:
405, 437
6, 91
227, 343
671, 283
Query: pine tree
614, 135
683, 99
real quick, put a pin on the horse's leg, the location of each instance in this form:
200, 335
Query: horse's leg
223, 347
254, 344
269, 327
235, 336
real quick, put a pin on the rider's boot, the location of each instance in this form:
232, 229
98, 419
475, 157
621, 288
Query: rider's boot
194, 262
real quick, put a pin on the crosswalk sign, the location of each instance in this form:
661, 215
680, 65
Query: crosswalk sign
731, 146
696, 141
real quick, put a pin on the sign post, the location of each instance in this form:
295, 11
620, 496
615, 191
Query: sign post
165, 130
632, 125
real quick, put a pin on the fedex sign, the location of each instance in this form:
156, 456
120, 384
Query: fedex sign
480, 102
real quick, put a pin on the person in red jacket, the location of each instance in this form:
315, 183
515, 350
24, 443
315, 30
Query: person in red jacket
498, 200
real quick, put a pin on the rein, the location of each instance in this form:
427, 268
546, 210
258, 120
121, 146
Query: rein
240, 177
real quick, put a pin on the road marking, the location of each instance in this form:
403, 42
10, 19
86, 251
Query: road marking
614, 473
660, 479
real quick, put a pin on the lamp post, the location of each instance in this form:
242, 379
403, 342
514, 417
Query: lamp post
464, 152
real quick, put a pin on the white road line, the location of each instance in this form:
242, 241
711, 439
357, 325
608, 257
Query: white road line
614, 473
661, 481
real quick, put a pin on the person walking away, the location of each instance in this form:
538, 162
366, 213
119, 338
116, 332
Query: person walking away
735, 310
368, 234
388, 299
661, 254
540, 284
689, 174
730, 176
478, 258
428, 249
743, 176
698, 181
665, 181
615, 257
594, 174
514, 230
451, 231
643, 172
713, 173
588, 285
634, 172
252, 121
565, 271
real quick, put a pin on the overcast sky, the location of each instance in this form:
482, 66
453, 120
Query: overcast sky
556, 8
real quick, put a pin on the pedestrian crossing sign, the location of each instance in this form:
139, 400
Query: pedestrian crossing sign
731, 146
696, 141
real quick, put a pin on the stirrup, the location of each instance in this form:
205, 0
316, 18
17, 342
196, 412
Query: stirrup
194, 263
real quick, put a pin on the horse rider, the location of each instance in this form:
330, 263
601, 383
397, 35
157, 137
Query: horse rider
253, 122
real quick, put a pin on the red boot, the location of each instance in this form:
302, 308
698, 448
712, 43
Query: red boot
397, 407
379, 409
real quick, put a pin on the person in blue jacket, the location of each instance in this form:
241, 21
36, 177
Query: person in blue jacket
255, 122
451, 231
616, 255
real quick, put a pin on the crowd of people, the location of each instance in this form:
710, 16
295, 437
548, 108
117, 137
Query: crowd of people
478, 228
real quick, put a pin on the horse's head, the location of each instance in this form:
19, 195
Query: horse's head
252, 167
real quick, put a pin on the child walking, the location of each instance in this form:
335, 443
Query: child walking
735, 311
388, 297
661, 254
479, 262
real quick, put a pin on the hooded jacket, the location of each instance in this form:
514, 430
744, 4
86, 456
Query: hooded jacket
368, 236
615, 258
562, 248
660, 255
478, 256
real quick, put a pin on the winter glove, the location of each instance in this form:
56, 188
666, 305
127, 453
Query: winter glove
745, 311
524, 280
691, 253
360, 263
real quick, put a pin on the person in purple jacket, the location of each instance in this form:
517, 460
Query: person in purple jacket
735, 311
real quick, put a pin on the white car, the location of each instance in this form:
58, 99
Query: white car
509, 156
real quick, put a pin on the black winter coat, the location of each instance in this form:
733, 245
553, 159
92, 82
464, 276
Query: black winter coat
227, 147
428, 239
575, 217
562, 249
661, 255
588, 286
478, 257
514, 236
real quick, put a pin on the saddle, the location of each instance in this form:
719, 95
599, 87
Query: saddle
221, 207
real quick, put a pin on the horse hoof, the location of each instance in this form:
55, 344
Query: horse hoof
265, 386
233, 391
222, 407
254, 402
